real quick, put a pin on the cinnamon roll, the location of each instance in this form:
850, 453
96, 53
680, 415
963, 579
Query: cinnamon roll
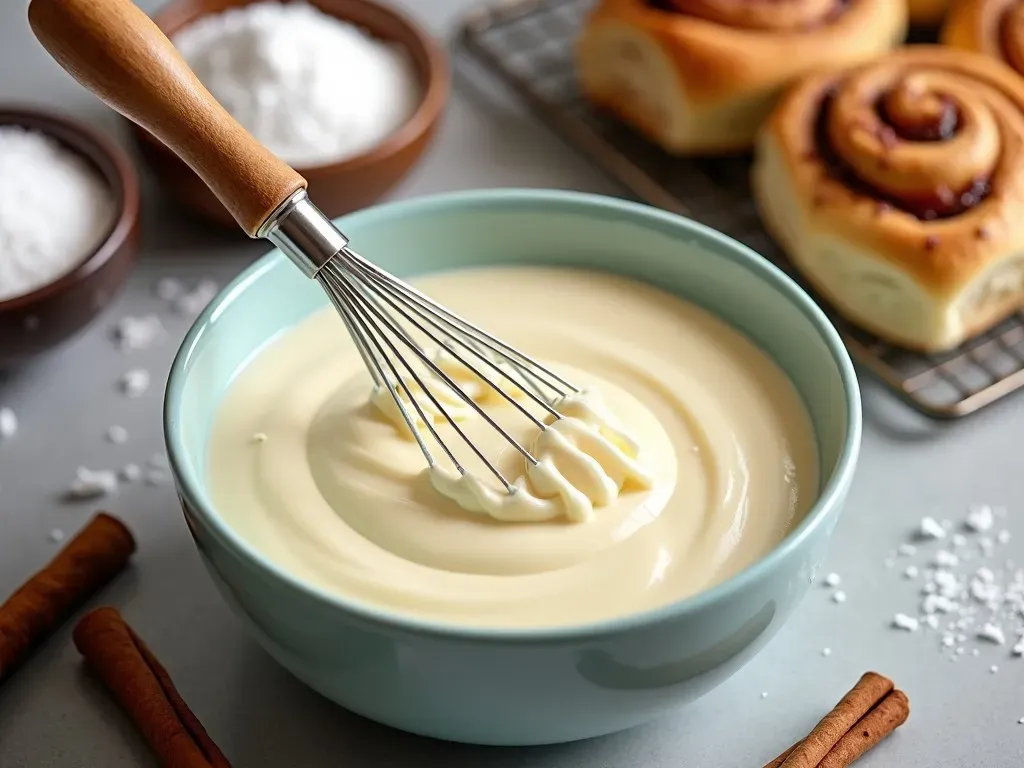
927, 13
700, 76
897, 189
992, 27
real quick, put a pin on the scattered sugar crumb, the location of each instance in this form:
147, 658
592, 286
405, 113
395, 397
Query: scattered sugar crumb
832, 580
56, 535
89, 484
135, 382
910, 572
117, 435
130, 473
993, 633
938, 604
156, 477
945, 559
826, 651
908, 623
932, 621
906, 550
195, 301
975, 652
1003, 537
1018, 649
258, 437
958, 540
8, 424
764, 694
138, 332
980, 518
839, 596
1021, 721
930, 529
993, 669
169, 288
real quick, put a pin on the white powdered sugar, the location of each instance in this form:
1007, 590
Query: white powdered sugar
138, 332
969, 592
135, 382
8, 424
908, 623
130, 473
90, 484
930, 529
193, 302
980, 518
832, 580
310, 87
54, 210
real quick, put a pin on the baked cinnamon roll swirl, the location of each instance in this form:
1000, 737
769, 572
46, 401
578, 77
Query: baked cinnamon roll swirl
897, 188
992, 27
700, 76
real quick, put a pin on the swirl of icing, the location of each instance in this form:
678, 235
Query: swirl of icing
779, 16
992, 27
583, 461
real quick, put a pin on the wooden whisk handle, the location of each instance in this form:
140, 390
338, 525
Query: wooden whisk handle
115, 50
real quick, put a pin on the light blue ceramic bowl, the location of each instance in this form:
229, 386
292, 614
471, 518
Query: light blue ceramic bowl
525, 686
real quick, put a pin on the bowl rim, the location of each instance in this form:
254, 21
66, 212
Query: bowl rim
124, 185
824, 507
436, 86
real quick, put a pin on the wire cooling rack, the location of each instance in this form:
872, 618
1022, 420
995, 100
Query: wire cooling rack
528, 45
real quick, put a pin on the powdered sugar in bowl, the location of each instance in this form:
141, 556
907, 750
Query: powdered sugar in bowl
68, 228
349, 92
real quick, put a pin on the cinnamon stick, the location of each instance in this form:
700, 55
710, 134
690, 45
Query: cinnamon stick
889, 715
867, 714
146, 692
868, 692
86, 563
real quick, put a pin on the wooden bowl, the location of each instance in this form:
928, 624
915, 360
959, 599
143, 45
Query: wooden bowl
336, 188
36, 321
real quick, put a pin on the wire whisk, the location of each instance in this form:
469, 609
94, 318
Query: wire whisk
119, 54
384, 315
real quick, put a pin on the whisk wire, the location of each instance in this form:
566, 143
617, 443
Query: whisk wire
373, 304
344, 284
490, 341
446, 345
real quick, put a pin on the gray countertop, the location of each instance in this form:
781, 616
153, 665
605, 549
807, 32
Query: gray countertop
52, 714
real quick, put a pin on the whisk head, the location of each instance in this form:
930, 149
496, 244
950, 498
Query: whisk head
394, 327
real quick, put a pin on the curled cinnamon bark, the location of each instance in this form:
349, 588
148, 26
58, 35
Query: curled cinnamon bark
866, 715
92, 558
146, 692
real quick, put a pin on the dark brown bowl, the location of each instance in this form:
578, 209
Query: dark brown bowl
36, 321
337, 188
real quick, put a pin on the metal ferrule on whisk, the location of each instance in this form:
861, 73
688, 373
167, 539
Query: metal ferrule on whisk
303, 233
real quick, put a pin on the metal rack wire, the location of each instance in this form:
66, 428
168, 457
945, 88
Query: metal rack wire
528, 45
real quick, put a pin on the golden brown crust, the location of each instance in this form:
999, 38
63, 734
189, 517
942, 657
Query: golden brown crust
992, 27
928, 12
703, 79
714, 60
944, 254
